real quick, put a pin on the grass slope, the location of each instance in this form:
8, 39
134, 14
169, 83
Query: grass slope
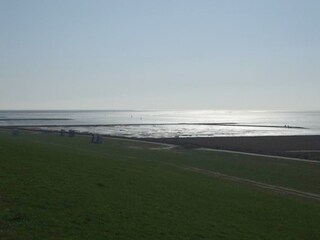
55, 187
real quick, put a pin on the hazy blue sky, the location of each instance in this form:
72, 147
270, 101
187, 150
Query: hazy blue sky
158, 54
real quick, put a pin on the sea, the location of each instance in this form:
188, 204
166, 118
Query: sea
160, 124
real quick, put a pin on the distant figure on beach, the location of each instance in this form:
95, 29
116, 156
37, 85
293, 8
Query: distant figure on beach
62, 132
72, 133
15, 132
99, 139
96, 138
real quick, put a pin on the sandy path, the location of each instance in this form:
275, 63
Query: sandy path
260, 155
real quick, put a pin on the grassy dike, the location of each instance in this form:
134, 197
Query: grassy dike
54, 187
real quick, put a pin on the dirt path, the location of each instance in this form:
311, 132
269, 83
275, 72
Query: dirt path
260, 155
279, 189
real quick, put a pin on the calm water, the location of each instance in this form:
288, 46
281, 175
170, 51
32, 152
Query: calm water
308, 120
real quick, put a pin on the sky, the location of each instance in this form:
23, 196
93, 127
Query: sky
160, 54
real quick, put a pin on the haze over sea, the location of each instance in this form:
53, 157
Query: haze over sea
204, 123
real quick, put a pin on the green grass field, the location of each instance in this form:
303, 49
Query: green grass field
54, 187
